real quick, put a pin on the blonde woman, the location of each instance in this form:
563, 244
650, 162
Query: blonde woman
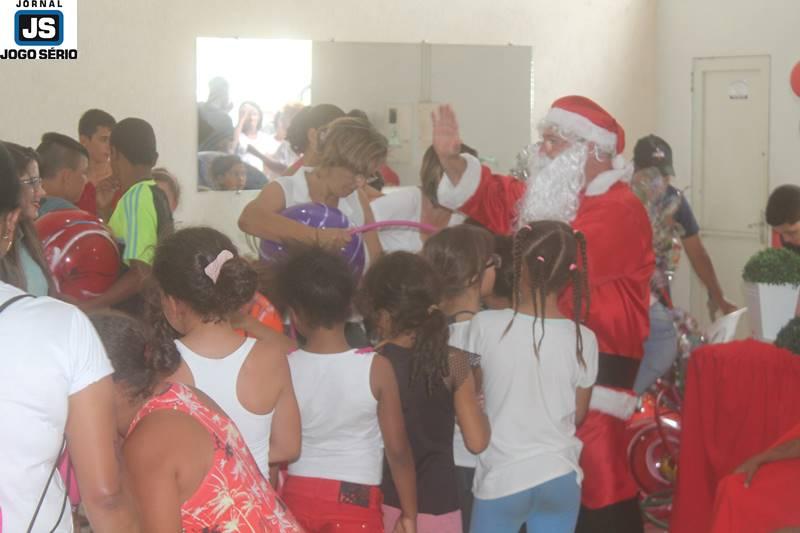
350, 150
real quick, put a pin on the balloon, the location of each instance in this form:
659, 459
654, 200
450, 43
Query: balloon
80, 252
795, 79
320, 216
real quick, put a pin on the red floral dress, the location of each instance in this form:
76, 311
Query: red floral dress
234, 496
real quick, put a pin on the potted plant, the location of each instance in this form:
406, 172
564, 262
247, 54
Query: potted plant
789, 336
772, 287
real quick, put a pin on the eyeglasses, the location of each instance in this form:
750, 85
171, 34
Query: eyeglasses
33, 182
494, 261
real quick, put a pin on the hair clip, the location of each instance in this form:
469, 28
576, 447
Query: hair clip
572, 267
540, 258
213, 269
433, 308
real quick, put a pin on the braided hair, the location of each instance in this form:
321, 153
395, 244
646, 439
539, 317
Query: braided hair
548, 252
407, 288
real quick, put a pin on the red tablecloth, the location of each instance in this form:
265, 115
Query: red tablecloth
741, 397
771, 502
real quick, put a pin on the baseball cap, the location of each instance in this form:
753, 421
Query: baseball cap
653, 151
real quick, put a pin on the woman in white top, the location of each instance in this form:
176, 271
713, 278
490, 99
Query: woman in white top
249, 134
538, 370
349, 405
349, 151
55, 390
203, 283
465, 260
418, 204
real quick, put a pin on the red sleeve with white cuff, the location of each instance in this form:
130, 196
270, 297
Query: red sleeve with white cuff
490, 199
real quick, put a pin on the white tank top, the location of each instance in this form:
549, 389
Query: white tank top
217, 378
339, 415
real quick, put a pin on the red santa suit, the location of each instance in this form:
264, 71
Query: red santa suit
620, 262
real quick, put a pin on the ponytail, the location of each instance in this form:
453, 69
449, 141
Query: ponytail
430, 359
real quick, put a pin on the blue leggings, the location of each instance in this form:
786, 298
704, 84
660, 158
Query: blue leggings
551, 507
660, 348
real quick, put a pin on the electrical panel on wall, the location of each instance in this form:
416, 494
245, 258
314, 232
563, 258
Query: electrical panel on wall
399, 132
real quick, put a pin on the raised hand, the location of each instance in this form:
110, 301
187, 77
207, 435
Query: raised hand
446, 136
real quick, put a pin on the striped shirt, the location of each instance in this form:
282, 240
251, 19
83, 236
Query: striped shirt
135, 223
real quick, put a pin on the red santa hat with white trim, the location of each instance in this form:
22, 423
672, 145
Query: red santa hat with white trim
584, 118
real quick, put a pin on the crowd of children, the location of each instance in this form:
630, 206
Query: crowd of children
456, 410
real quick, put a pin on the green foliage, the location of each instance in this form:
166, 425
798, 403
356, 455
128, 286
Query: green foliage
789, 336
773, 266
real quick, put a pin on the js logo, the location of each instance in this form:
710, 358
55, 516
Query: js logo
39, 28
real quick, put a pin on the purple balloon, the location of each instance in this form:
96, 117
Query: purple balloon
320, 216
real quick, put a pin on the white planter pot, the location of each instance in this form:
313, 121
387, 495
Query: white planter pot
770, 307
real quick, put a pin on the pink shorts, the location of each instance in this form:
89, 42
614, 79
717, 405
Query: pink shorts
426, 523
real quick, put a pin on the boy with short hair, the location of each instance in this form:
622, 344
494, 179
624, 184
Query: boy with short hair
142, 215
101, 194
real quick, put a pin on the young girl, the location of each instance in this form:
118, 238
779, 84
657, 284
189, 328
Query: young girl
463, 257
203, 283
400, 301
538, 369
350, 150
418, 204
349, 404
182, 452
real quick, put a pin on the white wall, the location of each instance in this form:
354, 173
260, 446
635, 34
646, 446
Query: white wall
710, 28
137, 58
488, 86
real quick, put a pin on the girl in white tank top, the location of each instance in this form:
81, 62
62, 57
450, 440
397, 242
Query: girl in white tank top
203, 283
349, 405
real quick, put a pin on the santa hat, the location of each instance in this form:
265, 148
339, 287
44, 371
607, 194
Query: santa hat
584, 118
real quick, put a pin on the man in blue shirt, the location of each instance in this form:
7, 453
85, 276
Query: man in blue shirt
653, 152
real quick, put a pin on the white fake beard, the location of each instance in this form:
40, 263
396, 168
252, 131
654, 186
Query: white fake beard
554, 186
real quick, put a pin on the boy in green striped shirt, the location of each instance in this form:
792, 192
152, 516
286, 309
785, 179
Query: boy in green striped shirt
141, 216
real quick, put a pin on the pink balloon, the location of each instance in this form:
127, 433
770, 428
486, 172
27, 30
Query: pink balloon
425, 228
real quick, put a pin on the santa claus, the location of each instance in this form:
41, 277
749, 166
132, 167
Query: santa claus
577, 174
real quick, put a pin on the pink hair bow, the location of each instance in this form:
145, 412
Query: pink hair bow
214, 267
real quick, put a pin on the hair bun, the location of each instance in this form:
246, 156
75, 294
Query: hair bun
236, 285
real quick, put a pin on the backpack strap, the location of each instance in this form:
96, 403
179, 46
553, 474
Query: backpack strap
13, 300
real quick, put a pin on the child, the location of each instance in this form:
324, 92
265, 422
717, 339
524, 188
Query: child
350, 151
400, 301
538, 369
228, 173
142, 216
203, 282
181, 451
463, 257
348, 400
500, 298
419, 204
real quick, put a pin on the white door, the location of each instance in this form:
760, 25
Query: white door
730, 154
